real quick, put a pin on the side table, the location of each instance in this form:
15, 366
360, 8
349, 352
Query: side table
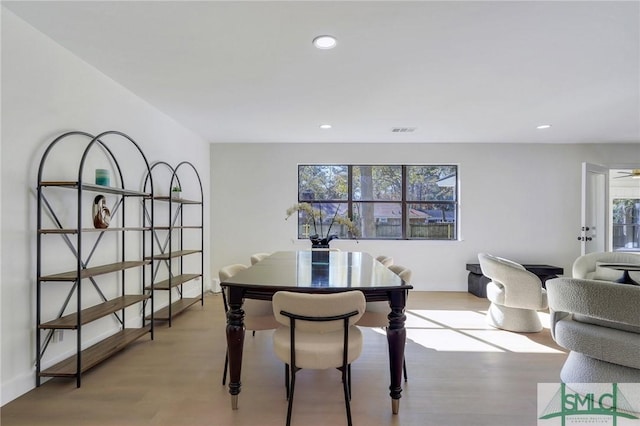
477, 283
626, 268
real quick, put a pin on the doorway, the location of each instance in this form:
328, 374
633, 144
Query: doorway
624, 202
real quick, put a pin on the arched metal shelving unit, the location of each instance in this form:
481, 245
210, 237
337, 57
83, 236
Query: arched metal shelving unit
168, 244
99, 295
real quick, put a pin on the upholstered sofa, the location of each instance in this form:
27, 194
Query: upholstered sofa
590, 266
599, 322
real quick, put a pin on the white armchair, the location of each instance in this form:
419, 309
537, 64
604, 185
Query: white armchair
515, 294
589, 266
599, 322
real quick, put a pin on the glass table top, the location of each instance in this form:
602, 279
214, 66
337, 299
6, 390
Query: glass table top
318, 269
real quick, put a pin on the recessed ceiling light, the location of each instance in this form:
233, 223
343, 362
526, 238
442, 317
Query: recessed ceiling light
325, 126
325, 42
543, 126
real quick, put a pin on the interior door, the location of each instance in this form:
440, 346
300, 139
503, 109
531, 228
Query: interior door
594, 232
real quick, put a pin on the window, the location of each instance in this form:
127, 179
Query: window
626, 223
384, 201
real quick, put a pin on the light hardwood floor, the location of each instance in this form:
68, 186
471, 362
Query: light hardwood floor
461, 373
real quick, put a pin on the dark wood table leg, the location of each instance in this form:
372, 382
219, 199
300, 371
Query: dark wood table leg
235, 342
396, 338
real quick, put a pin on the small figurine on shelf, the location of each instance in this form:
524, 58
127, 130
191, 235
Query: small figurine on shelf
101, 213
176, 192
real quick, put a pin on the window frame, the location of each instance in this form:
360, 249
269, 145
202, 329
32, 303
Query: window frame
404, 202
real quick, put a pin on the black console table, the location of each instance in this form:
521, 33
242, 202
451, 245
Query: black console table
477, 283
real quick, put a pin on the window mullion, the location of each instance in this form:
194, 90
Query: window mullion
403, 203
350, 191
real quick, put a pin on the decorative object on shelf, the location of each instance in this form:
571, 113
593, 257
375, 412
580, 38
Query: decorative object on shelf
321, 239
176, 192
103, 177
101, 213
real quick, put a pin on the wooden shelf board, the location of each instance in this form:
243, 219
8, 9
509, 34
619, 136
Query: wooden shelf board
75, 231
168, 228
97, 270
95, 188
175, 200
166, 256
70, 322
96, 353
168, 284
177, 308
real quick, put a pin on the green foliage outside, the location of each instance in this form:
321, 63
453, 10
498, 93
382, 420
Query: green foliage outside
430, 196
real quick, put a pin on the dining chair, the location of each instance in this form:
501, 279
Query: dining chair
258, 314
318, 332
257, 257
377, 313
385, 260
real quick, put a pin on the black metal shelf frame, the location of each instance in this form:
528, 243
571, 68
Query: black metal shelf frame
167, 249
83, 257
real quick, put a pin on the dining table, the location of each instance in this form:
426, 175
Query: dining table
317, 271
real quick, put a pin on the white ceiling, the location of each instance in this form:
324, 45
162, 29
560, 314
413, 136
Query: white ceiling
239, 71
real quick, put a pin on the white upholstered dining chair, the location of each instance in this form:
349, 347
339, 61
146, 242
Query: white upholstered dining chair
318, 332
257, 257
385, 260
376, 314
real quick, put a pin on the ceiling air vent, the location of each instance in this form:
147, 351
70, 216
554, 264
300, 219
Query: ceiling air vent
403, 129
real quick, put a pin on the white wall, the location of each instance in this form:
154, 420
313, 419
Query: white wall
520, 201
47, 91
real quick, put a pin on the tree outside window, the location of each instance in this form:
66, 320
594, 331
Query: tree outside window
626, 223
385, 201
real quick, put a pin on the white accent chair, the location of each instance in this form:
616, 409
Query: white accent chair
258, 314
515, 294
589, 266
318, 332
599, 322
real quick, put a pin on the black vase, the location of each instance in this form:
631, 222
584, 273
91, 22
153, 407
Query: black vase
320, 272
320, 256
318, 242
321, 244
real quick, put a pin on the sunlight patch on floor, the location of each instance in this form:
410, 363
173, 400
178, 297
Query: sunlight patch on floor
447, 340
467, 331
512, 342
446, 318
